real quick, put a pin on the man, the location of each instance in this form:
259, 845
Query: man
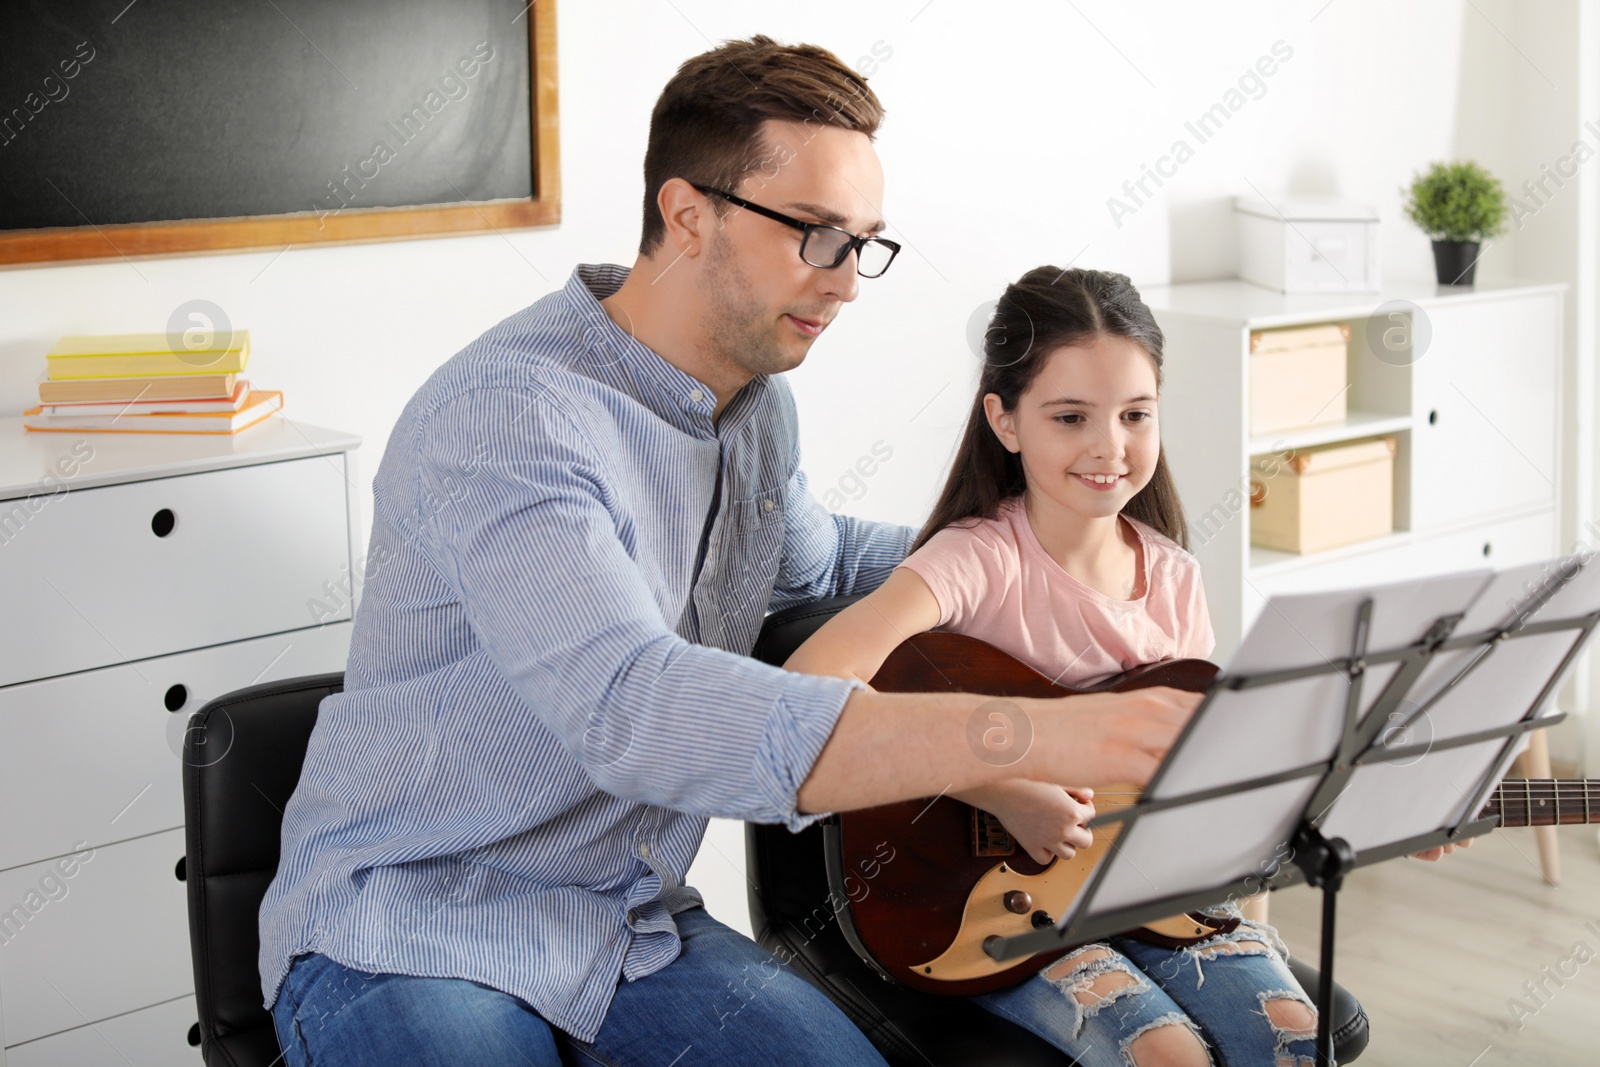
579, 523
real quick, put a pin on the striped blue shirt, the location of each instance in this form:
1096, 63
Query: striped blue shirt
549, 687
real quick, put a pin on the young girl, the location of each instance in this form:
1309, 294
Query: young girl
1059, 538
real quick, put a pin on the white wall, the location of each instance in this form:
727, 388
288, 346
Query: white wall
1006, 134
1535, 83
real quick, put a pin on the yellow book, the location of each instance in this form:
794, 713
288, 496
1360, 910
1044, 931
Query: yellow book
148, 355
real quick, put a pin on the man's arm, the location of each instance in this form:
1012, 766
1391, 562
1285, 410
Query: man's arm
827, 555
972, 748
896, 746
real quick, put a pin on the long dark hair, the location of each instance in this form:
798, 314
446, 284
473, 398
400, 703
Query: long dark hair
1041, 311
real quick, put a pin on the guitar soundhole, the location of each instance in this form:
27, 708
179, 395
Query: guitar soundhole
990, 836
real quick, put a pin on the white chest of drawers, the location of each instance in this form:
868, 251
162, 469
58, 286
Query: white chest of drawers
140, 576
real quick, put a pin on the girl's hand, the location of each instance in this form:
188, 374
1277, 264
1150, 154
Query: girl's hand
1433, 854
1046, 819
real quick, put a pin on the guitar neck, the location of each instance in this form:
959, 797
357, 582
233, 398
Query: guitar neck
1545, 802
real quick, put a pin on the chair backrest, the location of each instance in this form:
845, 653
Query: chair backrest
788, 877
241, 761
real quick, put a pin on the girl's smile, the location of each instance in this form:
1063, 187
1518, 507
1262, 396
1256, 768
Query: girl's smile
1103, 483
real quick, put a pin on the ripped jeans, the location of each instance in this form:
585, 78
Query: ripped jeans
1228, 1000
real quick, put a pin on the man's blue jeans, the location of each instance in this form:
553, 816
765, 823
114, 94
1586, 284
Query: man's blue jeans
725, 999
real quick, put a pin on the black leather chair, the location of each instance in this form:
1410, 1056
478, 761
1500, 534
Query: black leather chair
791, 917
242, 758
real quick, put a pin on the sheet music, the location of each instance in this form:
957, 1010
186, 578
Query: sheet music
1279, 727
1500, 603
1417, 795
1387, 802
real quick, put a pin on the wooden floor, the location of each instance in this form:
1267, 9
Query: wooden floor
1434, 952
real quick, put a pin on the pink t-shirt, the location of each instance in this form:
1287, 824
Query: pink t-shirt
994, 580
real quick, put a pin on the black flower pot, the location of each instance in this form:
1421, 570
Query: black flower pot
1455, 261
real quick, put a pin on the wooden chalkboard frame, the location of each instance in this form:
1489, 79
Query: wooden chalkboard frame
352, 225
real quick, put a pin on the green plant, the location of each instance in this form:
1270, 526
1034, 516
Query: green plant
1457, 202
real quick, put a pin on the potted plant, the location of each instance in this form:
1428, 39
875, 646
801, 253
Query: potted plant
1458, 205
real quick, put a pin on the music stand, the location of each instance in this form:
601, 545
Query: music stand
1302, 747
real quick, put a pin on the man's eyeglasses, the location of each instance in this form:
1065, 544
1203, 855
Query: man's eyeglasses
823, 245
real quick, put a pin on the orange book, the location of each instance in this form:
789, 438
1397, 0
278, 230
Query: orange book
241, 393
259, 405
171, 387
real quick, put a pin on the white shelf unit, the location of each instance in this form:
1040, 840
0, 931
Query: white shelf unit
1476, 415
141, 575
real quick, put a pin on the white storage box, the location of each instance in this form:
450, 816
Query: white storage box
1298, 244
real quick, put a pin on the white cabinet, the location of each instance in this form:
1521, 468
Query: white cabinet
1467, 382
1486, 411
140, 576
1492, 544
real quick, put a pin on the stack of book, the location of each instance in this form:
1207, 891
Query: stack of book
149, 383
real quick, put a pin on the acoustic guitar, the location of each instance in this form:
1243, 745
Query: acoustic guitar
920, 885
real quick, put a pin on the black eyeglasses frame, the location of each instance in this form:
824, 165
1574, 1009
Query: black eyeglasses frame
852, 242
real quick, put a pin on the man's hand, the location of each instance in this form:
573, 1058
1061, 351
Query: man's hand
1101, 739
1434, 853
888, 747
1047, 820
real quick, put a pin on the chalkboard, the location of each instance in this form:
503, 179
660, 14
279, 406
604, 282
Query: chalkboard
178, 125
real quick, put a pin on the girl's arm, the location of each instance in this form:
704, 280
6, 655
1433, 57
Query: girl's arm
856, 641
1046, 819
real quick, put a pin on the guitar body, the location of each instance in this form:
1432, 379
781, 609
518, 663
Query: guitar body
924, 882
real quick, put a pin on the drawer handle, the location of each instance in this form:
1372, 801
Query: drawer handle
163, 522
1486, 547
194, 1036
177, 696
1433, 417
181, 871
